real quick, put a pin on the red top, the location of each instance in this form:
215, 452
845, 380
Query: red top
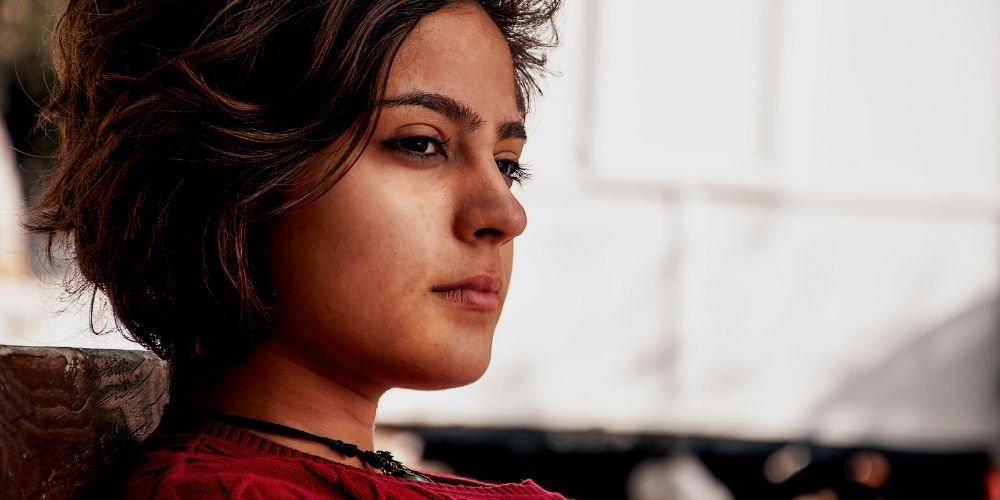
221, 461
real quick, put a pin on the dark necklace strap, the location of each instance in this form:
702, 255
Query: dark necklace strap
381, 460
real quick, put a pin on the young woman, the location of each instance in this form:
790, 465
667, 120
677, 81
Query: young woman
301, 204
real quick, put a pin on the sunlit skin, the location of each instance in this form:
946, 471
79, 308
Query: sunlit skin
396, 276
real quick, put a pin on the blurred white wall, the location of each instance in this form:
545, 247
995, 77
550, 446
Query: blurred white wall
757, 219
13, 245
33, 310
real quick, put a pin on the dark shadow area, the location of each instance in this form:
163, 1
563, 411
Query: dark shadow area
593, 465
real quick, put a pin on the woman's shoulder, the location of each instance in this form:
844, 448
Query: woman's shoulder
206, 465
221, 461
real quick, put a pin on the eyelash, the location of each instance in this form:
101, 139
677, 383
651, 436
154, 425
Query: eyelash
515, 171
518, 172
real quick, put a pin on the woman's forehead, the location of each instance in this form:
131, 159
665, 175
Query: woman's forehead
458, 52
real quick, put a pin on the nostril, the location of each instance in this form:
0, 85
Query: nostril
488, 233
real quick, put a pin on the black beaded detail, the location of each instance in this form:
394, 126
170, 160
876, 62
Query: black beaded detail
380, 460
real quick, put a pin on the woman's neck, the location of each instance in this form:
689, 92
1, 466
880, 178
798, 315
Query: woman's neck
278, 387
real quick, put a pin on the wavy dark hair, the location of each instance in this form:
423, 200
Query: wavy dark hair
187, 126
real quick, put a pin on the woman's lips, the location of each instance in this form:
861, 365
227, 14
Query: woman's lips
476, 292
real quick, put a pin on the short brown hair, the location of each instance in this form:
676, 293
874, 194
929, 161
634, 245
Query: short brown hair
186, 127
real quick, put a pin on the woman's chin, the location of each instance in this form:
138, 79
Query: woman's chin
458, 374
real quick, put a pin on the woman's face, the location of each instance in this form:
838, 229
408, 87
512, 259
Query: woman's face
397, 275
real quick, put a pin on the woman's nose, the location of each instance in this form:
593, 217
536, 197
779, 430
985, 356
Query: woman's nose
488, 211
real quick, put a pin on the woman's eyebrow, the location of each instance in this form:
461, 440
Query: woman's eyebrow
454, 111
512, 130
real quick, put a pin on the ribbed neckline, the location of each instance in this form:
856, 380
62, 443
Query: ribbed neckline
244, 443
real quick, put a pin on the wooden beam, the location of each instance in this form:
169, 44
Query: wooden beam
67, 415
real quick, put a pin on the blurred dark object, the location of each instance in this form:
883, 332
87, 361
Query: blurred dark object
577, 465
595, 465
849, 473
67, 416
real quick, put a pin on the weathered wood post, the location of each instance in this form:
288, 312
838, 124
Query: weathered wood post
67, 415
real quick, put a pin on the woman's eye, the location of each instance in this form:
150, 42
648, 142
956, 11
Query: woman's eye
420, 146
513, 170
